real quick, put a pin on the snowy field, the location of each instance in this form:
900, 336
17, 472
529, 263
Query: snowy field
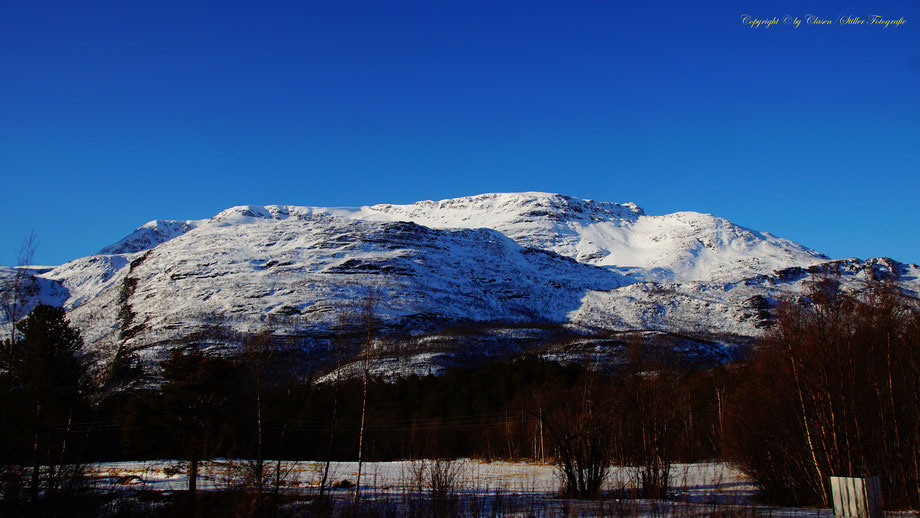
492, 488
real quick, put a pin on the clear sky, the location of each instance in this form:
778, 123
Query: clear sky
116, 113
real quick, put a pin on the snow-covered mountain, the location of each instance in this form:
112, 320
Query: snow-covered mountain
150, 235
685, 246
511, 258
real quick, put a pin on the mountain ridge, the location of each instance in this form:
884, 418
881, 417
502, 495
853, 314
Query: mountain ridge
600, 233
499, 257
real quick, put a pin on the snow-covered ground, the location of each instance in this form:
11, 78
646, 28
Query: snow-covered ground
700, 489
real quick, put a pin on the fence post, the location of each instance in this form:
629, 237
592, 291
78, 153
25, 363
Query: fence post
856, 497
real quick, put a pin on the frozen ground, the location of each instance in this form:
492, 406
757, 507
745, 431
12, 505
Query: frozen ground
495, 488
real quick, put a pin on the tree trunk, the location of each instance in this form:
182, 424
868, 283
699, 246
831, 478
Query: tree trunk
369, 323
361, 432
335, 406
36, 468
260, 461
193, 479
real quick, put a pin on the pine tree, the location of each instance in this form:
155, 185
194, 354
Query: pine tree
46, 378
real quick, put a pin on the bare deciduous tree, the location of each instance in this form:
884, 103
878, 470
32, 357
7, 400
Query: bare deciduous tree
367, 315
653, 413
580, 425
834, 390
13, 300
16, 286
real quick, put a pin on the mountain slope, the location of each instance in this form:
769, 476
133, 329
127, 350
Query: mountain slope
249, 266
508, 258
684, 246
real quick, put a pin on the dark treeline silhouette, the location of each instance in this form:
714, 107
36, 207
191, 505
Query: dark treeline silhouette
488, 411
491, 411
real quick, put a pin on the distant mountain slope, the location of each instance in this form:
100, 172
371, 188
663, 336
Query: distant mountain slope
494, 258
738, 308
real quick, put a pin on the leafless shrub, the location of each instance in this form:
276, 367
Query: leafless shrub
649, 418
580, 426
436, 485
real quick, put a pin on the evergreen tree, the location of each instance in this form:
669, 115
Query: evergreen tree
46, 381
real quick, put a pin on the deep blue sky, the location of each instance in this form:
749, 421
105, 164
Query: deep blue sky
113, 114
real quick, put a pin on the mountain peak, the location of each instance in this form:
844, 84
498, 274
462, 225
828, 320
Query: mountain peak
149, 235
494, 209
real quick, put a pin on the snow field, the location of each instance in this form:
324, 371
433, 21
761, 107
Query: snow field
518, 488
